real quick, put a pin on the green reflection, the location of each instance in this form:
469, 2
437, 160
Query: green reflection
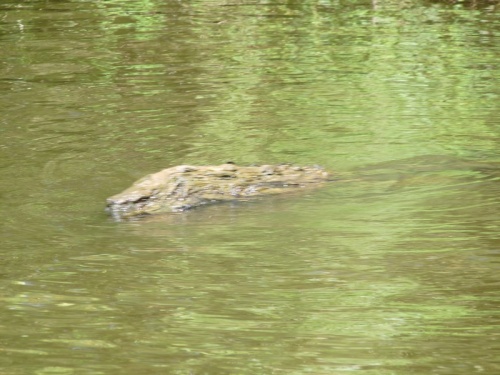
390, 270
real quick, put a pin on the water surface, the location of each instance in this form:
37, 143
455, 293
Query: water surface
391, 269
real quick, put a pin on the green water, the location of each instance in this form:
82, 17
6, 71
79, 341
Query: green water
393, 269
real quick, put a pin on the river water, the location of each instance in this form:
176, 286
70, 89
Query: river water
392, 269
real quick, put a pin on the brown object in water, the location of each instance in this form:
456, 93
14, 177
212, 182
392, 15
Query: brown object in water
184, 187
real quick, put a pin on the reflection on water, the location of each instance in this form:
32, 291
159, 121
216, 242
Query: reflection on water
391, 269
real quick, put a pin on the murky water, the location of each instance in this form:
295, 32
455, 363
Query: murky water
392, 269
